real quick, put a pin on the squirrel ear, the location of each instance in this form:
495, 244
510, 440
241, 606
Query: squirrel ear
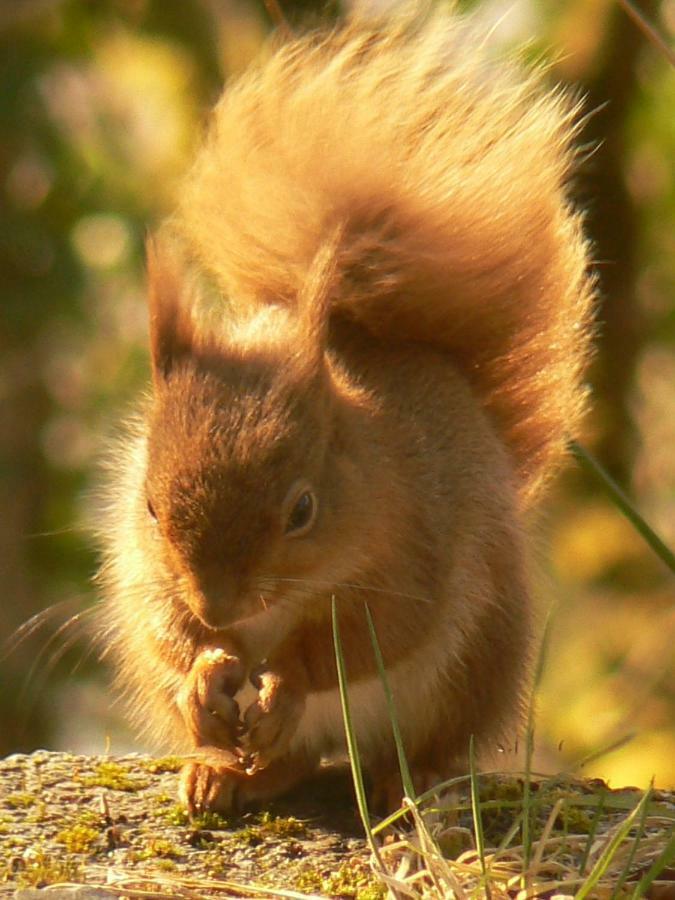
171, 325
315, 296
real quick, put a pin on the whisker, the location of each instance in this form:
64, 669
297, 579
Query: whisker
268, 583
33, 684
71, 623
30, 626
349, 585
83, 658
56, 657
68, 529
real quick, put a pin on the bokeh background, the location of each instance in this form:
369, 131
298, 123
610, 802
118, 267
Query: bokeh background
101, 103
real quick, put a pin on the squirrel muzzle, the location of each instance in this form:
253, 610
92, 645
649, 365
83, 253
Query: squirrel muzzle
217, 600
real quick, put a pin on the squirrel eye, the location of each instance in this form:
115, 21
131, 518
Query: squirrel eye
151, 511
302, 515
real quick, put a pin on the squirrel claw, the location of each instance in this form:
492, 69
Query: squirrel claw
226, 790
256, 762
271, 721
204, 787
257, 675
206, 699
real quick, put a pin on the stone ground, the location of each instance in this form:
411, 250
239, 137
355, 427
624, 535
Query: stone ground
102, 828
115, 822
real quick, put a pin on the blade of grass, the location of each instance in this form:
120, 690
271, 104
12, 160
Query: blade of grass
648, 29
595, 755
435, 859
623, 503
529, 742
605, 858
566, 824
477, 818
659, 864
406, 777
422, 798
591, 833
633, 849
150, 884
612, 802
350, 735
545, 834
427, 842
527, 796
509, 836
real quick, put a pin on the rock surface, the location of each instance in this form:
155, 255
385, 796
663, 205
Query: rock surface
96, 826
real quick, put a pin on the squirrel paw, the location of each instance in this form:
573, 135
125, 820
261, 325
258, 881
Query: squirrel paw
271, 720
386, 792
207, 788
206, 699
230, 790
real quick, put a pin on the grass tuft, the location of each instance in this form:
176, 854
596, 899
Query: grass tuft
350, 734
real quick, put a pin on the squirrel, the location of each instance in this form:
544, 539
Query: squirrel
369, 317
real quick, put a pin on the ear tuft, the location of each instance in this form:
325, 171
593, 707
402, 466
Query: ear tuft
171, 324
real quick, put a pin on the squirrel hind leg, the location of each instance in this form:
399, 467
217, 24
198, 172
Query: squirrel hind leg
427, 774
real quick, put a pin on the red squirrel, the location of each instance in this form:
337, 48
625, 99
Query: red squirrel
369, 317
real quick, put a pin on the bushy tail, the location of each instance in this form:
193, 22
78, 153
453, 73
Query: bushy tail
445, 172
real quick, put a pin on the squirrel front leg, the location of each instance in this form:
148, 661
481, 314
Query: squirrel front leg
262, 765
206, 699
272, 720
211, 716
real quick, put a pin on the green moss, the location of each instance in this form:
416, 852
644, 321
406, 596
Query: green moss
500, 789
309, 881
202, 840
374, 891
210, 821
20, 800
574, 820
166, 865
268, 827
80, 838
113, 776
353, 879
174, 815
281, 826
42, 869
500, 804
157, 848
37, 812
163, 765
454, 841
496, 822
90, 817
216, 861
15, 842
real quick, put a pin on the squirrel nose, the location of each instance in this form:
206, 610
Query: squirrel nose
212, 598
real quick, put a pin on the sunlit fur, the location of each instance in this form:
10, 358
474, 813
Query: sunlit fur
445, 170
401, 319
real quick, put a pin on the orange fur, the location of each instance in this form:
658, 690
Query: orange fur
392, 361
445, 172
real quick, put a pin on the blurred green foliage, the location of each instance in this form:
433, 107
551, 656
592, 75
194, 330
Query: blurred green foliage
101, 104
